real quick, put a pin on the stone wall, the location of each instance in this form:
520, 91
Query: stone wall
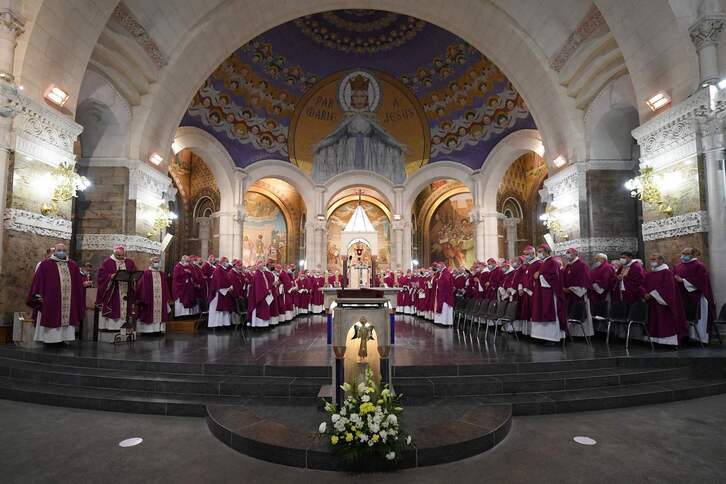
611, 211
104, 208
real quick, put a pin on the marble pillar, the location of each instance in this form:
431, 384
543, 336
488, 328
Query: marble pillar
715, 179
510, 230
705, 34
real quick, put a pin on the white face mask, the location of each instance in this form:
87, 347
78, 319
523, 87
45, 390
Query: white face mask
540, 255
597, 264
623, 260
654, 264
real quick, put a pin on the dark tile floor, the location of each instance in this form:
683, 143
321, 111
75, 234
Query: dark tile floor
302, 343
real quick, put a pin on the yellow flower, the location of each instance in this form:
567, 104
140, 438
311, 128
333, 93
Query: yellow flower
348, 437
333, 439
376, 437
366, 407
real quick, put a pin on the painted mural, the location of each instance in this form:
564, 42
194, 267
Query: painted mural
441, 84
451, 233
265, 231
336, 223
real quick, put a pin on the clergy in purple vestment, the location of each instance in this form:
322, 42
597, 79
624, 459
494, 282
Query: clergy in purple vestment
444, 310
602, 279
666, 319
576, 282
549, 312
272, 284
221, 302
695, 288
207, 273
56, 296
183, 288
113, 297
525, 289
152, 299
494, 280
260, 298
630, 279
287, 287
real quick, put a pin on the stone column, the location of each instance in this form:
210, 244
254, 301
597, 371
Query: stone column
705, 34
397, 244
11, 26
321, 249
510, 225
310, 245
715, 174
407, 246
485, 233
205, 226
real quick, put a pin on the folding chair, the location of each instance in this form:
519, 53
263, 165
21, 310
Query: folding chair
576, 316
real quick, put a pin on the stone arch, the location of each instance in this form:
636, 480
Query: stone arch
499, 160
284, 171
609, 120
358, 178
216, 157
430, 173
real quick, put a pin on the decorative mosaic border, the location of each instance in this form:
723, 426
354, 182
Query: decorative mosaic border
593, 245
678, 225
36, 223
132, 243
140, 35
587, 26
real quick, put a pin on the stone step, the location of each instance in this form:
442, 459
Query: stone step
533, 382
115, 400
565, 401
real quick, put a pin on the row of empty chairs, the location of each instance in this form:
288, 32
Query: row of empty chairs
468, 312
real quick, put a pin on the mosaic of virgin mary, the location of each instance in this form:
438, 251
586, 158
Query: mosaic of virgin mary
359, 142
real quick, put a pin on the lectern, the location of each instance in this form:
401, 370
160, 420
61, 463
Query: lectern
361, 338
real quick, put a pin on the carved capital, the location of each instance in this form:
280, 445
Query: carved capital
707, 30
12, 22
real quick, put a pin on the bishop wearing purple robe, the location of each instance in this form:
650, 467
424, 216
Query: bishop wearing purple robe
630, 279
221, 296
152, 298
182, 288
549, 314
666, 319
695, 289
444, 296
602, 279
261, 298
56, 296
576, 282
113, 296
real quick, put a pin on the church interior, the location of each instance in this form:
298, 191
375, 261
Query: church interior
338, 241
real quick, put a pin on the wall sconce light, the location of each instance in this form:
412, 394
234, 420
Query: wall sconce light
56, 95
553, 223
644, 187
560, 161
301, 263
68, 184
396, 217
156, 158
414, 262
321, 218
176, 147
658, 101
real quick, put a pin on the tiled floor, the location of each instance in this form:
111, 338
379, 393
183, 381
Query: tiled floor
302, 343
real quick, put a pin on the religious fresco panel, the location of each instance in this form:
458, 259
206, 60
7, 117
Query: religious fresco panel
265, 233
451, 233
336, 223
362, 82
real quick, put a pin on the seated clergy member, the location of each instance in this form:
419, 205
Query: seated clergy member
695, 288
630, 278
113, 296
152, 299
549, 315
666, 320
221, 303
56, 296
576, 282
183, 288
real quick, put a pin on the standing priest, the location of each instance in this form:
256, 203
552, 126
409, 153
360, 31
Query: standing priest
695, 288
112, 296
152, 298
666, 319
56, 296
182, 288
549, 315
221, 299
576, 282
444, 296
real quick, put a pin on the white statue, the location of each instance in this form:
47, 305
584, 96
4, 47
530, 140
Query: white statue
359, 142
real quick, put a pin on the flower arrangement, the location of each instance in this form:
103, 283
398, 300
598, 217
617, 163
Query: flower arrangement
368, 424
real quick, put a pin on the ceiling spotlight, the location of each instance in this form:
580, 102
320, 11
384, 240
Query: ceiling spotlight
156, 158
658, 101
56, 95
560, 161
